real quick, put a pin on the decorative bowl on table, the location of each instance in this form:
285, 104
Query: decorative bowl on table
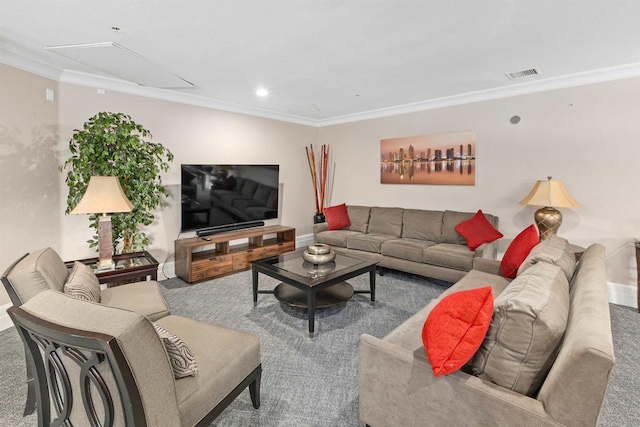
319, 254
318, 270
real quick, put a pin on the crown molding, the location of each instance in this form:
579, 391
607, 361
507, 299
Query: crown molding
22, 61
17, 59
569, 80
123, 86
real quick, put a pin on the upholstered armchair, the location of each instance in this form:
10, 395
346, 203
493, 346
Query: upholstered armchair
44, 269
100, 365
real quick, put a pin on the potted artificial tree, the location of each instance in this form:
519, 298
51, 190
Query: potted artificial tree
112, 144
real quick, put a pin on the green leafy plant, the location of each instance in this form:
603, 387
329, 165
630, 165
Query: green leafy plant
112, 144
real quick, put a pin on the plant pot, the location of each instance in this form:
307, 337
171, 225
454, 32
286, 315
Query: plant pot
318, 218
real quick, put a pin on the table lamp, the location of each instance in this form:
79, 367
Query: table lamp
104, 195
547, 194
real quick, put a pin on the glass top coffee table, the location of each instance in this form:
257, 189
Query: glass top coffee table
312, 286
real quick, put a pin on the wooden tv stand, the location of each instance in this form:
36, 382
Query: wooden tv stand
216, 257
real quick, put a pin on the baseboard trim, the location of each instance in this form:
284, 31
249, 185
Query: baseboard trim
5, 320
622, 294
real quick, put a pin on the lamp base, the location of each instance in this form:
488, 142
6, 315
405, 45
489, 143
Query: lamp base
105, 243
548, 220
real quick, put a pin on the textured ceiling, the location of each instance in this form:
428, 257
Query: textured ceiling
323, 60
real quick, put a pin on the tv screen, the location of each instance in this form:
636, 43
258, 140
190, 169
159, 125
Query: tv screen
227, 195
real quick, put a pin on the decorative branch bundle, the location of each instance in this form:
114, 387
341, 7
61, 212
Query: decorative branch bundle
319, 173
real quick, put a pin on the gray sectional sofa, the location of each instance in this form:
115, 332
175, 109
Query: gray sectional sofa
417, 241
398, 388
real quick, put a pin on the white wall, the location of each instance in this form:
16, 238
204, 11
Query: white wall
588, 137
29, 197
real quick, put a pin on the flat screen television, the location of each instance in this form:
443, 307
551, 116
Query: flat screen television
227, 196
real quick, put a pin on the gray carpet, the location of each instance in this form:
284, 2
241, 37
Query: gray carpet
313, 381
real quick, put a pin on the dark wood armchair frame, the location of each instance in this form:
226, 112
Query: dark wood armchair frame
45, 341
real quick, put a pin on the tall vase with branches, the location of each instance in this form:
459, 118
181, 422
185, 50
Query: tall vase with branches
112, 144
320, 172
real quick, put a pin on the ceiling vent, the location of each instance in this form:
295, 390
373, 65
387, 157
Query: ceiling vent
121, 62
517, 75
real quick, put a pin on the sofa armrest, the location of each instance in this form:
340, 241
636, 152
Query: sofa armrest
397, 387
491, 266
487, 250
317, 228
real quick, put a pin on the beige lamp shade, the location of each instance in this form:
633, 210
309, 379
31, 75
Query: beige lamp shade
549, 193
104, 195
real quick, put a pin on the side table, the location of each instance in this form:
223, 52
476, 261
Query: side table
136, 266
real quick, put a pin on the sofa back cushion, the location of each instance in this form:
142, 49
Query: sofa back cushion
554, 250
452, 218
387, 221
422, 224
529, 321
359, 218
37, 272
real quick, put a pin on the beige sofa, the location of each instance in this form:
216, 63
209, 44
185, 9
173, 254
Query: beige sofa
397, 385
416, 241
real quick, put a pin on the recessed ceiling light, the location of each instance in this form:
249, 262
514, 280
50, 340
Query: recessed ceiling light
262, 92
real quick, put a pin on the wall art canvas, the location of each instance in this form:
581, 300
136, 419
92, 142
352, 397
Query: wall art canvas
440, 159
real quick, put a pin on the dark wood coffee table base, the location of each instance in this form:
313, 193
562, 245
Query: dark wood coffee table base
333, 295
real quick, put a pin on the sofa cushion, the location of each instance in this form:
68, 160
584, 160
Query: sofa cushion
409, 249
336, 237
368, 242
528, 324
359, 217
183, 363
386, 221
223, 356
82, 283
37, 272
478, 230
422, 224
455, 256
518, 250
554, 250
144, 298
456, 327
452, 218
337, 217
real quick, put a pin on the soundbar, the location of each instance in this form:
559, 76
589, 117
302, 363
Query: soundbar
231, 227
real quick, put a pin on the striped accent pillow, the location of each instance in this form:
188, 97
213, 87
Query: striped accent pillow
82, 283
182, 361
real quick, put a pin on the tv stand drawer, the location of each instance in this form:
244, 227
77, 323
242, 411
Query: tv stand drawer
242, 260
211, 267
279, 248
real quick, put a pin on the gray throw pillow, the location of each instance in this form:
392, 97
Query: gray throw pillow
183, 363
529, 320
82, 283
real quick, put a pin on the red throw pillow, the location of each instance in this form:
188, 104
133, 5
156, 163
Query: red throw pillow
456, 327
478, 230
337, 217
518, 251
